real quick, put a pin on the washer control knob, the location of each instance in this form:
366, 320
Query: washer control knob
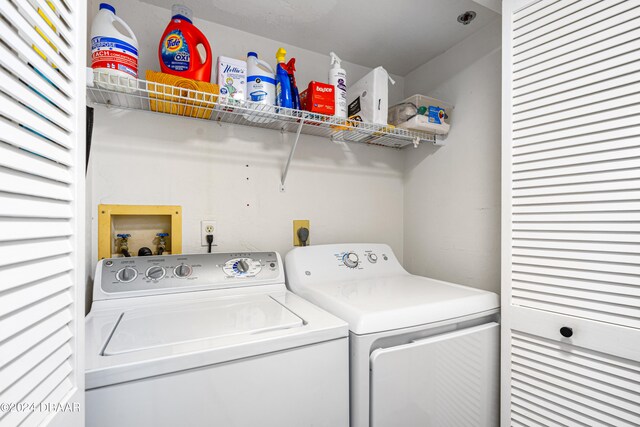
182, 271
126, 274
155, 272
350, 260
373, 258
242, 266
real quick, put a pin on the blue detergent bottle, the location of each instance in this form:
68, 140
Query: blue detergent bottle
284, 96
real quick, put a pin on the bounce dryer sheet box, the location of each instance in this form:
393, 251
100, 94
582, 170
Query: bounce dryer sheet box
232, 77
319, 98
368, 98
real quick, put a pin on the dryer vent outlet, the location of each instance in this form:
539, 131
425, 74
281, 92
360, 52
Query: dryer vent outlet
297, 225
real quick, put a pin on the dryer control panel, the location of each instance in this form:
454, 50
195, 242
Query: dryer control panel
341, 262
178, 273
352, 258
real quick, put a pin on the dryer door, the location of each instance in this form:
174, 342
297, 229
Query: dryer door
443, 380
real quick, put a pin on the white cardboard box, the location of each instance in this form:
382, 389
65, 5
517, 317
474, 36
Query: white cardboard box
232, 77
368, 98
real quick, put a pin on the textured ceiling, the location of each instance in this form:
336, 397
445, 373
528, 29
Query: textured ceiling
399, 35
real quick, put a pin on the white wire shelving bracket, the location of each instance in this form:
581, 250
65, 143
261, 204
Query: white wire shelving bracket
293, 150
138, 94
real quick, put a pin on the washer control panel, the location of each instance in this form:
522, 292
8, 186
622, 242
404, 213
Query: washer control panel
221, 270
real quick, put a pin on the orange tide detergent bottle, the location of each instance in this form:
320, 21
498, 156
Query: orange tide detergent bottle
178, 51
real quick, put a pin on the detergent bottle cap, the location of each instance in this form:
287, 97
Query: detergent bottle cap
335, 61
181, 11
108, 7
280, 54
252, 54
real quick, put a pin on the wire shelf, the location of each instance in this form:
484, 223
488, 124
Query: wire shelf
137, 94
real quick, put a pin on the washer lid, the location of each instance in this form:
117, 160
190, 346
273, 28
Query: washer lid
151, 336
395, 302
143, 328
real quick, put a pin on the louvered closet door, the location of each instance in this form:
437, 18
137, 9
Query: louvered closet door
571, 213
42, 50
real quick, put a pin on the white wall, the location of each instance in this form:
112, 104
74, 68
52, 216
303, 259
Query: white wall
452, 193
231, 174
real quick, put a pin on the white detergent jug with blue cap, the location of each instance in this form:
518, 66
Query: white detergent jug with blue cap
261, 80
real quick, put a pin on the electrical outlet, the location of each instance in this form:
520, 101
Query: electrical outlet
297, 224
207, 227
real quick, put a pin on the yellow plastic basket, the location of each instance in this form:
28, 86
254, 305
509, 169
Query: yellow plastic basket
184, 97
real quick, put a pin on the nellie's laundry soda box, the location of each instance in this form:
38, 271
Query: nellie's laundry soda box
319, 98
232, 77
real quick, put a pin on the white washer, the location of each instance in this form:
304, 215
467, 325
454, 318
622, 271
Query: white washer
215, 339
423, 352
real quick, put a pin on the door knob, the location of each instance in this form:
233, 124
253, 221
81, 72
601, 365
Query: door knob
566, 332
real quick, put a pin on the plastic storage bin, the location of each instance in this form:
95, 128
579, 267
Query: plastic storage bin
421, 113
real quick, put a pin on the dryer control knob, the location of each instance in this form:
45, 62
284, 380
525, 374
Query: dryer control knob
126, 275
242, 266
182, 271
350, 260
155, 272
373, 258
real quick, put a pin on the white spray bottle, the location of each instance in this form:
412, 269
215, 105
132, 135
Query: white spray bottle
338, 78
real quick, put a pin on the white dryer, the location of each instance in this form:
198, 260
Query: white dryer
210, 340
423, 352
